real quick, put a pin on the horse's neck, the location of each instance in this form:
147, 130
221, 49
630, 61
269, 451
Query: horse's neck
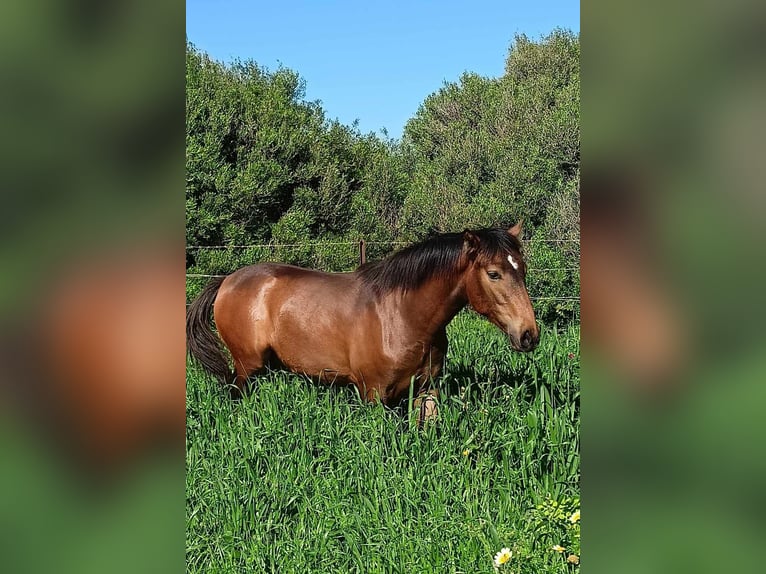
434, 305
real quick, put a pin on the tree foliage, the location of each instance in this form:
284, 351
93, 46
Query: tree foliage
488, 150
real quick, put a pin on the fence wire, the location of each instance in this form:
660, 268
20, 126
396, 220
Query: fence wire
351, 258
346, 243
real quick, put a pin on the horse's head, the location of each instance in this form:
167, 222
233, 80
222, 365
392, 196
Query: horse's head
495, 283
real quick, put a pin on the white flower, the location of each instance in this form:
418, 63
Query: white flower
502, 557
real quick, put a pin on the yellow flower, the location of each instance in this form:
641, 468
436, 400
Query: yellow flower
575, 517
573, 559
466, 452
558, 548
502, 557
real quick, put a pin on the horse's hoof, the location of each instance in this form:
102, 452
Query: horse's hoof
429, 410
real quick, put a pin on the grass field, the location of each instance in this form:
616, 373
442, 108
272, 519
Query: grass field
301, 478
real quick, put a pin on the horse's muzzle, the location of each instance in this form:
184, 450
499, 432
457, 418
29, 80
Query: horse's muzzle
527, 342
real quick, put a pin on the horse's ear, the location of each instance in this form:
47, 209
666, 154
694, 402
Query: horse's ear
470, 244
516, 229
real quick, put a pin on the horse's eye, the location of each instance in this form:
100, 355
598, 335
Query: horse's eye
494, 275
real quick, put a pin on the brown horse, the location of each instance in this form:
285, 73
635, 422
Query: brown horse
377, 327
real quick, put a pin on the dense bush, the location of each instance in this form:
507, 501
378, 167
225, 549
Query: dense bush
264, 166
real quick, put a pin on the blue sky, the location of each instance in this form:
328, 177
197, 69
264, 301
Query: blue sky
373, 61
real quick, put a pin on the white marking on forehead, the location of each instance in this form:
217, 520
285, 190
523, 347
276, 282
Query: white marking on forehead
513, 262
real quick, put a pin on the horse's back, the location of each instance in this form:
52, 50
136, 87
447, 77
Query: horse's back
271, 289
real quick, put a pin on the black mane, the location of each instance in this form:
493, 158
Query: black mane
437, 256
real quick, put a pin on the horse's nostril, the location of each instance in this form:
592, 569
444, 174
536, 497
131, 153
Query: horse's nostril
526, 339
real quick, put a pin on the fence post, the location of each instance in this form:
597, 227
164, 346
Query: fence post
362, 252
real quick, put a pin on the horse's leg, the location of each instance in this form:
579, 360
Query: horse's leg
427, 406
371, 393
428, 395
247, 365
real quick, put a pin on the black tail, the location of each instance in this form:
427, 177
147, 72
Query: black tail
202, 343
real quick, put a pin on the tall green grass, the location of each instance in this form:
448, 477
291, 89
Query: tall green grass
297, 477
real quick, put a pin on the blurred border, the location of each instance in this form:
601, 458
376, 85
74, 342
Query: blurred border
92, 299
672, 126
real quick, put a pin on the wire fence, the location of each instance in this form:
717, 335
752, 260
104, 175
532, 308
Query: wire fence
211, 261
347, 243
